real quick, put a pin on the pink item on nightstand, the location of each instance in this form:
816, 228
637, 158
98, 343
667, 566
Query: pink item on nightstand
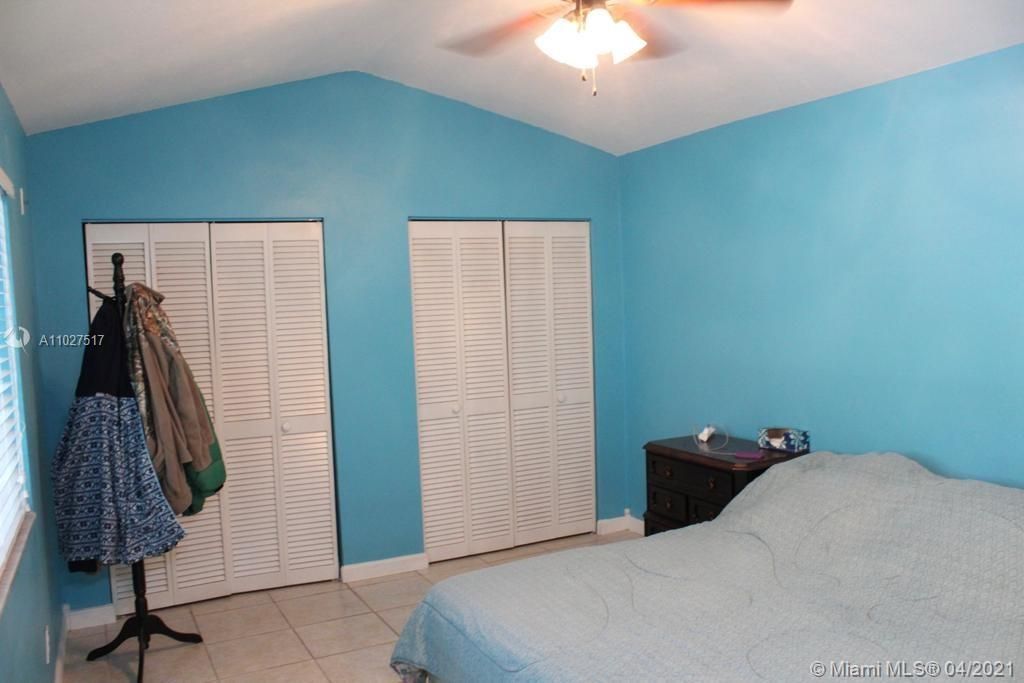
749, 455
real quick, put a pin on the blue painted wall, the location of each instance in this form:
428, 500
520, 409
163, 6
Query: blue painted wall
364, 154
851, 266
33, 603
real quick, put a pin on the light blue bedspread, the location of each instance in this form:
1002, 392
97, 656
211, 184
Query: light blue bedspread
854, 560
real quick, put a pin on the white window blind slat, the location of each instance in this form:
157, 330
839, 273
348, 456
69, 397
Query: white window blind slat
8, 472
9, 509
10, 442
8, 417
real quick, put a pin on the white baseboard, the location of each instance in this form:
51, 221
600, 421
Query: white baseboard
62, 642
379, 568
614, 525
91, 616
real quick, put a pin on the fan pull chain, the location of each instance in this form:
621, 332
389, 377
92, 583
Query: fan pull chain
592, 79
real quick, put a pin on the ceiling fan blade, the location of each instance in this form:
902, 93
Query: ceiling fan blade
491, 39
660, 43
659, 48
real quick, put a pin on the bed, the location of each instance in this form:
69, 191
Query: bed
825, 565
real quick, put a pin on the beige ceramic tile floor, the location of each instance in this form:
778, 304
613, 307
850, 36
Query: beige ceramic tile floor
318, 632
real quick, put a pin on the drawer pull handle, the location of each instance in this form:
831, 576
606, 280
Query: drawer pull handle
668, 472
711, 483
668, 504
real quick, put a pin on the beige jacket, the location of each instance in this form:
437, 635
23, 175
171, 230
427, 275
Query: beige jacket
178, 429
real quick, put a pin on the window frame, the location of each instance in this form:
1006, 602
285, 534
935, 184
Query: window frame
12, 547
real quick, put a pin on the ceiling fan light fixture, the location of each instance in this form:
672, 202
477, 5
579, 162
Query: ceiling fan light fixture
625, 42
600, 30
579, 54
553, 41
566, 44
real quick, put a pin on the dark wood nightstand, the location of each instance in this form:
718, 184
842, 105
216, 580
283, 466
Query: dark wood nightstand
688, 482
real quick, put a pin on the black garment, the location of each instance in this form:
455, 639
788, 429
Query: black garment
105, 364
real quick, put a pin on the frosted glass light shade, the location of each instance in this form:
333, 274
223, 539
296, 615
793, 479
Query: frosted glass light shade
600, 30
564, 43
625, 42
553, 41
582, 56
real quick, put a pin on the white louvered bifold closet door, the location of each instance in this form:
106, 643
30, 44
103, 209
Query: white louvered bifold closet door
180, 258
256, 343
299, 333
462, 386
551, 377
273, 402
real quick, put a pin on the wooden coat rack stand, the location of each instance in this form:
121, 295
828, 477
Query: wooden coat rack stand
142, 624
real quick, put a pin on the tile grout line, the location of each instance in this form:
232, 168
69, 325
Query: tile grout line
306, 648
195, 620
209, 657
316, 662
392, 628
289, 627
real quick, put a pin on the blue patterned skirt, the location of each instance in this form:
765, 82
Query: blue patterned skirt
108, 501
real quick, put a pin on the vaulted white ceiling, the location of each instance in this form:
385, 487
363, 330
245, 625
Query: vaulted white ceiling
65, 62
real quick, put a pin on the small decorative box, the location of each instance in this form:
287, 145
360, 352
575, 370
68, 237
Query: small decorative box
784, 439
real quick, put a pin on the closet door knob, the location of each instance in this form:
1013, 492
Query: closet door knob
561, 398
286, 427
456, 410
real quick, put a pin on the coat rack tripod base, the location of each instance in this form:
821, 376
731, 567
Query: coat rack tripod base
142, 624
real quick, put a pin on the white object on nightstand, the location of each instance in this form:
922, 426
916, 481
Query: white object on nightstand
706, 434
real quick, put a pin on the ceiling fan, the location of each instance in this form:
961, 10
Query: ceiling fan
585, 30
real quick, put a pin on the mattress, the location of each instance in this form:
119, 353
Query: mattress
826, 564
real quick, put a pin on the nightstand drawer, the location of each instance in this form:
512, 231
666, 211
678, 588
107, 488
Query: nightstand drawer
655, 524
666, 503
708, 483
700, 511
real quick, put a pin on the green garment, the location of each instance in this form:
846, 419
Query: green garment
208, 482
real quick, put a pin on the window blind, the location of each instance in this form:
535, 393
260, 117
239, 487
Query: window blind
13, 493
